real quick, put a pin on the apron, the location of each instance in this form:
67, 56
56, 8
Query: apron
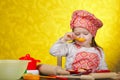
86, 60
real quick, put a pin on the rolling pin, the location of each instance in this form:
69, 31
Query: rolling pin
81, 77
47, 69
103, 75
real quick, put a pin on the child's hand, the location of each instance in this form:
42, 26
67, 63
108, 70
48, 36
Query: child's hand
68, 36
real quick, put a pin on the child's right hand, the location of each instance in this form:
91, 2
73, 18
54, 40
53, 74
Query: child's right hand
68, 36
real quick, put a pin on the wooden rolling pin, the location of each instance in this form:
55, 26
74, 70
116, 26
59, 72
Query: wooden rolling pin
47, 69
103, 75
82, 77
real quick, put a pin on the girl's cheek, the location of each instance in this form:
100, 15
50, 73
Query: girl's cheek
88, 41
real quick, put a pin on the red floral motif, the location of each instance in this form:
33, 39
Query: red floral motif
86, 60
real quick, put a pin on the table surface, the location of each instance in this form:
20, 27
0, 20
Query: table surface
81, 77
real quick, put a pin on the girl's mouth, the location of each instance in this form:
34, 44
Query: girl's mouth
80, 39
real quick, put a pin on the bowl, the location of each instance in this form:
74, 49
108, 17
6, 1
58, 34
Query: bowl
12, 69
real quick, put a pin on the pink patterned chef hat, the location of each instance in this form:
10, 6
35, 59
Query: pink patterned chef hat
82, 18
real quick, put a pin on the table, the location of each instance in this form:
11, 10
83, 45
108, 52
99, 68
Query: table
91, 76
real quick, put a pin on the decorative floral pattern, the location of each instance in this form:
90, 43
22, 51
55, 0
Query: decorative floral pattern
86, 60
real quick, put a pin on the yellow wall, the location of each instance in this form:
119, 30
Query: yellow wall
32, 26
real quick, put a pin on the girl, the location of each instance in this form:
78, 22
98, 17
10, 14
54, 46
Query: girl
82, 52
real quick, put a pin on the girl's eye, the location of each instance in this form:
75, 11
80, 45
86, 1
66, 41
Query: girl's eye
85, 33
77, 34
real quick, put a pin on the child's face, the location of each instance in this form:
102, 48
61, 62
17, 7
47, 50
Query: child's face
83, 33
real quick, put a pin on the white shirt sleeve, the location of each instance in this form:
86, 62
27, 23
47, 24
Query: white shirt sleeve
60, 48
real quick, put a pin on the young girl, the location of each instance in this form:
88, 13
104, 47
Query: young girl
82, 52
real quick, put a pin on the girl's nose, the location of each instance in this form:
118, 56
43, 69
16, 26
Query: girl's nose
81, 36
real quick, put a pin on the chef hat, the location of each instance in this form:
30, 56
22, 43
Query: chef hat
82, 18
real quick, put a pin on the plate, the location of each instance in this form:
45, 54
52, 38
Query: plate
76, 72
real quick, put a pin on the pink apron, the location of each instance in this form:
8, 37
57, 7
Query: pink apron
86, 60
